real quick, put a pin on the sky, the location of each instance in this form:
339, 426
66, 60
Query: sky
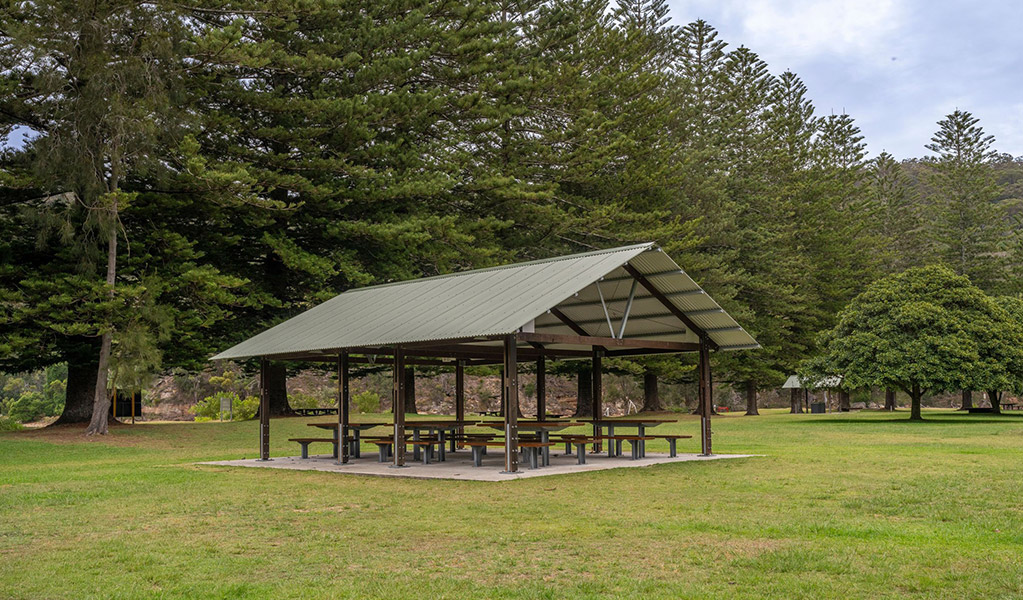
896, 66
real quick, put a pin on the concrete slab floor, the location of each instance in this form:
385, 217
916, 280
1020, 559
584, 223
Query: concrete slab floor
459, 465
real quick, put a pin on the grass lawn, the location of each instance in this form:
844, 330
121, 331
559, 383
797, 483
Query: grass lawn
860, 505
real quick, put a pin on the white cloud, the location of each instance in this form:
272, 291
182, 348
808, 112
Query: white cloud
809, 29
1009, 137
797, 31
897, 66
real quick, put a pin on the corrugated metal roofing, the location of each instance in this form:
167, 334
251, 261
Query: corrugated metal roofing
502, 300
794, 382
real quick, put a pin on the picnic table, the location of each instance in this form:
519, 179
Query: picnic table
544, 428
1011, 405
357, 427
613, 448
315, 412
441, 427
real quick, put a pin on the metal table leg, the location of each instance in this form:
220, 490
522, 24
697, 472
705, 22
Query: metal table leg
545, 437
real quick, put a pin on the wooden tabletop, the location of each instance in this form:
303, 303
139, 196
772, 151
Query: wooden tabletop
533, 424
333, 425
614, 422
408, 424
439, 423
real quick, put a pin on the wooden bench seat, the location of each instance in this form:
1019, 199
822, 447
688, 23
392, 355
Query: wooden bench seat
304, 442
427, 445
468, 437
672, 439
534, 450
635, 441
479, 446
579, 442
385, 446
533, 447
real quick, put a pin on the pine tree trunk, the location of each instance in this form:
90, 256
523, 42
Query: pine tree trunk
916, 395
795, 406
410, 391
651, 399
889, 400
584, 395
995, 398
696, 411
751, 399
276, 378
967, 400
101, 401
81, 389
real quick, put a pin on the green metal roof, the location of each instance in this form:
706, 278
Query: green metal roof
795, 382
504, 300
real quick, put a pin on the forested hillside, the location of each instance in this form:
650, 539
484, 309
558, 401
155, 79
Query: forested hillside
196, 171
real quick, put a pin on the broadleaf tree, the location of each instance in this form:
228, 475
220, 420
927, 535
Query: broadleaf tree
923, 331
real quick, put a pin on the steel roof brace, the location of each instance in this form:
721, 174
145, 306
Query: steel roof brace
610, 328
628, 308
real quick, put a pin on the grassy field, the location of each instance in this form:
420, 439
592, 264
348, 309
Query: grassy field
861, 505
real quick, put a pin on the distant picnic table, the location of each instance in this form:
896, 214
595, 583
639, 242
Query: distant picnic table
315, 412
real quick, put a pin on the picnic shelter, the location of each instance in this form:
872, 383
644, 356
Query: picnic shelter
626, 301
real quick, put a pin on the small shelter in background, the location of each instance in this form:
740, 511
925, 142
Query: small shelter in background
795, 384
627, 301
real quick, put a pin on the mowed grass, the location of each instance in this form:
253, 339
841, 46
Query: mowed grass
861, 505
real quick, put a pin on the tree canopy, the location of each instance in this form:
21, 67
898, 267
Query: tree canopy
924, 330
193, 173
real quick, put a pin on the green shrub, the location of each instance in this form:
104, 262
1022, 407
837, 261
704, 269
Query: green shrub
31, 406
300, 400
8, 424
208, 409
246, 409
366, 402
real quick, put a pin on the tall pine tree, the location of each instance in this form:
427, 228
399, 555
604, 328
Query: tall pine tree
971, 227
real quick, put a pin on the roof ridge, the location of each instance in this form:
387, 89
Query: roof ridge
507, 266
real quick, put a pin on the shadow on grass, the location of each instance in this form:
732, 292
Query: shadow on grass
903, 417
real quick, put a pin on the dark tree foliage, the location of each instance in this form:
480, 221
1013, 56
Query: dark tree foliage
923, 331
230, 163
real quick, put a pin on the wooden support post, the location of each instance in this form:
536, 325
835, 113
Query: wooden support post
343, 409
511, 405
398, 406
264, 413
541, 387
460, 395
504, 389
706, 397
597, 390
